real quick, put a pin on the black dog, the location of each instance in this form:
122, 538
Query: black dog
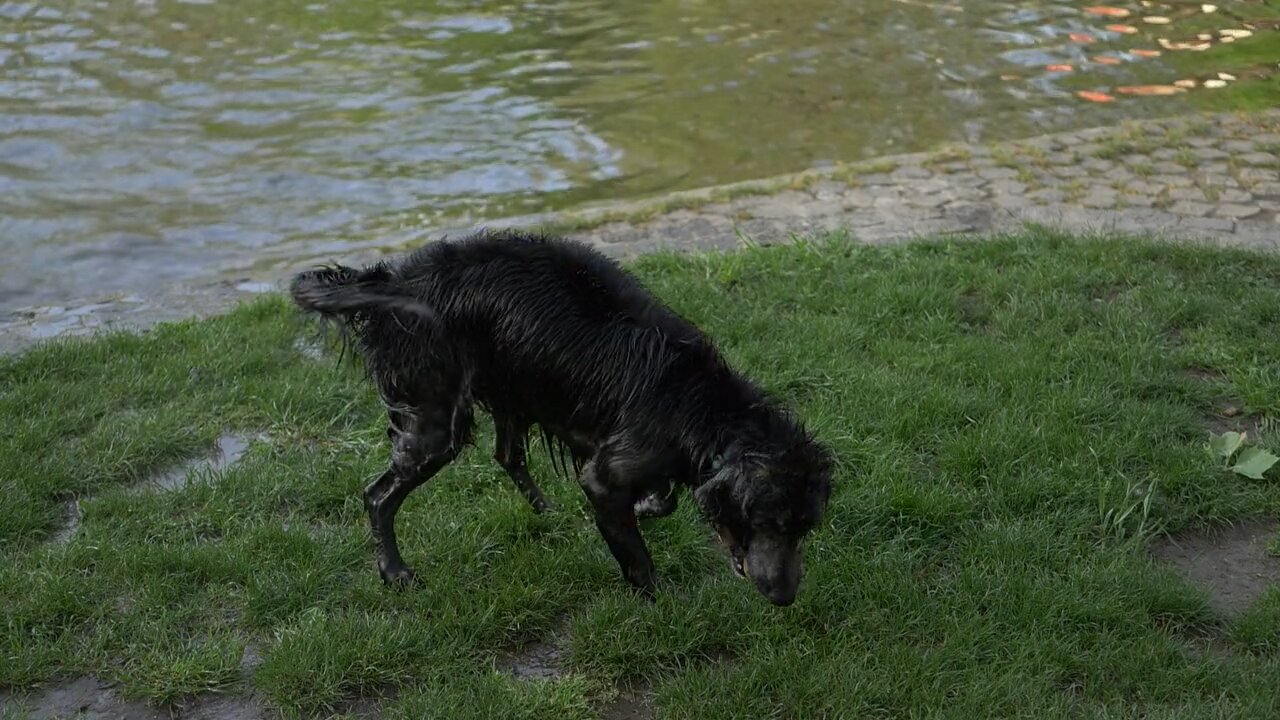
545, 331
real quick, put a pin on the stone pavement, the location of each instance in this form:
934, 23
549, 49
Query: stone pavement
1209, 178
1213, 178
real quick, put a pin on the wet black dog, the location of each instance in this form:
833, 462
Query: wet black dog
548, 332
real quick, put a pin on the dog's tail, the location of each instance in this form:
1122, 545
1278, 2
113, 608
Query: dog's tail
342, 293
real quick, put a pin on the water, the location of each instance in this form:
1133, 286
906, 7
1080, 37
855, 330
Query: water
148, 142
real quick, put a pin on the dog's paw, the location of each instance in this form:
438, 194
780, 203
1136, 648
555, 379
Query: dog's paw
401, 578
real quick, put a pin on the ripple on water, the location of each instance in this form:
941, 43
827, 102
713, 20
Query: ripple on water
233, 138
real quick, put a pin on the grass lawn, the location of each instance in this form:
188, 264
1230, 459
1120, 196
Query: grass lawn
1015, 420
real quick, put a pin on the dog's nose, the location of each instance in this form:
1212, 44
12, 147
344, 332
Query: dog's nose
778, 591
780, 596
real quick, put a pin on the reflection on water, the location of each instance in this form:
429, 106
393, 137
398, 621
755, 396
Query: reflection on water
154, 141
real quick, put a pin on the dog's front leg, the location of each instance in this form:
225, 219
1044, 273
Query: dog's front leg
612, 505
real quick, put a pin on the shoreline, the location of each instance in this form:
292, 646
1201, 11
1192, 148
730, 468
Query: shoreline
1205, 178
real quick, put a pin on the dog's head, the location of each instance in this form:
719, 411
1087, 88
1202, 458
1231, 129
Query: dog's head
763, 504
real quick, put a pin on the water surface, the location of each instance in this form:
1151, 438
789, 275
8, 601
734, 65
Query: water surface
146, 142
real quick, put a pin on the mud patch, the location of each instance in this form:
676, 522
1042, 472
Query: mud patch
87, 698
250, 659
1230, 418
70, 523
634, 702
533, 661
1204, 374
1232, 563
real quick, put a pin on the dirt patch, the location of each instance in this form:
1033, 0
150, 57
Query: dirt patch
973, 311
87, 698
1232, 563
1204, 374
70, 523
250, 659
533, 661
1229, 417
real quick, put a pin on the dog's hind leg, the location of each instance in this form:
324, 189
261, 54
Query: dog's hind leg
509, 451
614, 510
424, 440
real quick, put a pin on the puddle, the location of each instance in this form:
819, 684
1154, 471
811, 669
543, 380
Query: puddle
533, 661
82, 698
1232, 563
87, 698
222, 707
540, 660
230, 449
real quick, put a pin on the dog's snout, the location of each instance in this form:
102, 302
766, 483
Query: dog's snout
774, 568
781, 596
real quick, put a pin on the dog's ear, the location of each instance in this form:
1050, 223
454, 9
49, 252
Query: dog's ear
714, 495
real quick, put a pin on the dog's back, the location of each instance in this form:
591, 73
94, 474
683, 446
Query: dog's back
544, 327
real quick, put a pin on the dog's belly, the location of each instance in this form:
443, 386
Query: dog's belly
582, 444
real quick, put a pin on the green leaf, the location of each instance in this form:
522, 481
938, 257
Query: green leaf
1226, 444
1253, 462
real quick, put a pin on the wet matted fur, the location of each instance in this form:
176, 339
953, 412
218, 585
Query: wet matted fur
544, 331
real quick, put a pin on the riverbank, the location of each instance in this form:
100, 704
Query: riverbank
1016, 528
1206, 178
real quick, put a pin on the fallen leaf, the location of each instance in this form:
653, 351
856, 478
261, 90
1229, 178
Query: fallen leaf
1230, 411
1107, 11
1010, 77
1149, 90
1185, 83
1122, 29
1226, 76
1253, 462
1058, 68
1226, 444
1215, 84
1168, 44
1237, 33
1140, 52
1080, 38
1204, 36
1207, 8
1092, 96
1106, 60
1228, 39
1156, 20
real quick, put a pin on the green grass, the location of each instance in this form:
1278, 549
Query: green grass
1013, 419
